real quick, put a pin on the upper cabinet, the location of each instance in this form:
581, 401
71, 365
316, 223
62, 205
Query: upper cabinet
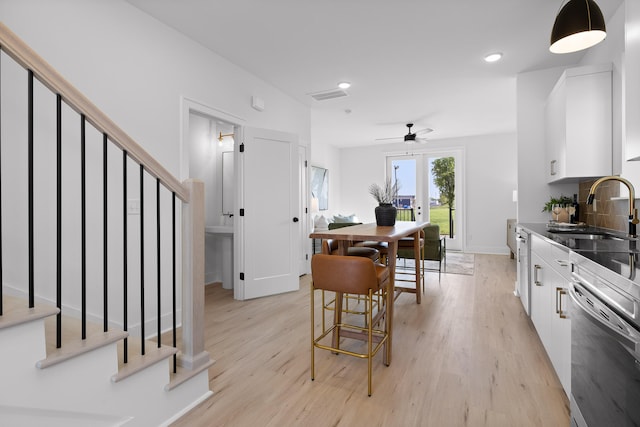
632, 80
578, 129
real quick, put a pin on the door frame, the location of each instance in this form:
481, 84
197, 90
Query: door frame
187, 107
458, 152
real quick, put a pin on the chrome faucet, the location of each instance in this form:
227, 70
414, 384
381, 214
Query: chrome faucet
633, 212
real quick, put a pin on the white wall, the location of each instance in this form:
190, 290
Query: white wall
490, 178
137, 71
533, 191
532, 91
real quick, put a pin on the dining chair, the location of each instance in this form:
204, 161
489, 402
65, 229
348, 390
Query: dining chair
432, 248
381, 247
356, 276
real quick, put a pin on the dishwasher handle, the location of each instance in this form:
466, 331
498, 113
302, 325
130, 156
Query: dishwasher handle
602, 318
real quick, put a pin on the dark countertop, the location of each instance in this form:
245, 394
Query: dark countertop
619, 255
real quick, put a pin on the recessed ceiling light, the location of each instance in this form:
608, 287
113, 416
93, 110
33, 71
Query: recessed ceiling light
344, 85
493, 57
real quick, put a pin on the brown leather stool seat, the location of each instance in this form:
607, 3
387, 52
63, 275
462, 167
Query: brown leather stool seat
356, 276
330, 247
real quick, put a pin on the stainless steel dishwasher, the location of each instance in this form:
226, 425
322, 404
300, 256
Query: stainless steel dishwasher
605, 341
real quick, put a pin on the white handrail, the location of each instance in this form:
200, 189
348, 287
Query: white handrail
48, 76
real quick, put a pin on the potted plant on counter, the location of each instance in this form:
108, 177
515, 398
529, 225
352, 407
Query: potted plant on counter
385, 195
559, 207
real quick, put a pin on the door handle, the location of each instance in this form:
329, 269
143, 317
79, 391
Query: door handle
295, 219
536, 267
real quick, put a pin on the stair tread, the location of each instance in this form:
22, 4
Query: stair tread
16, 312
138, 362
183, 375
75, 348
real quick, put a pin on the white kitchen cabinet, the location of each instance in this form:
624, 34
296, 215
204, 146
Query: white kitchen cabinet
549, 299
540, 298
632, 80
578, 130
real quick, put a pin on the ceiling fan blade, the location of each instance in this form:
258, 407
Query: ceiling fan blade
395, 138
423, 131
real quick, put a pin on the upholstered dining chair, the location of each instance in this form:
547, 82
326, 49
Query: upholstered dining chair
356, 276
431, 249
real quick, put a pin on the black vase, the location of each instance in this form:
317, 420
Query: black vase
385, 214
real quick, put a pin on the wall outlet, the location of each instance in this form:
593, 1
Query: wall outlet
133, 207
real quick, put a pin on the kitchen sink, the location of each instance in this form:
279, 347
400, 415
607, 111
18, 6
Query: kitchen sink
596, 241
592, 236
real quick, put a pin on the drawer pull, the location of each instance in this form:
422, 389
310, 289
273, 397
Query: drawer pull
536, 267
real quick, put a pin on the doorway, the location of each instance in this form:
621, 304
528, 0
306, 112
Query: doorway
264, 208
427, 183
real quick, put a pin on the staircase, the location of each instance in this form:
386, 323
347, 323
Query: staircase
96, 327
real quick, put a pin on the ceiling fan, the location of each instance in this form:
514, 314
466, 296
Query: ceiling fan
410, 137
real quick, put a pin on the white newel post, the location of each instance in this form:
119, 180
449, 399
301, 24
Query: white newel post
193, 354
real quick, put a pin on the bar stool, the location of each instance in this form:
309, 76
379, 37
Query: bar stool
330, 247
357, 276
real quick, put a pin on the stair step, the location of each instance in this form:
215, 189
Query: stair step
183, 375
137, 362
76, 348
17, 315
16, 312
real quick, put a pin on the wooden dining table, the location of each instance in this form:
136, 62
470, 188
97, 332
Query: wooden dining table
346, 236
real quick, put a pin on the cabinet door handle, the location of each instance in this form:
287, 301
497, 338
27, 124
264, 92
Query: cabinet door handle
559, 311
563, 263
553, 167
536, 267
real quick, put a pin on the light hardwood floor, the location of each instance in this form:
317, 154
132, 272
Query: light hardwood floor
467, 356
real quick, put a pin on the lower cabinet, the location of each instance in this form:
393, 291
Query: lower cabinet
550, 277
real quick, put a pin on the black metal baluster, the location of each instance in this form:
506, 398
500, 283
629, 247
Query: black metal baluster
59, 220
30, 191
105, 281
83, 225
142, 318
158, 253
125, 355
173, 244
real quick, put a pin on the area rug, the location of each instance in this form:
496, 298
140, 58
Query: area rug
456, 263
459, 263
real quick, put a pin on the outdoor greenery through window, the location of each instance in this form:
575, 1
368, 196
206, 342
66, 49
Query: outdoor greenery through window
439, 186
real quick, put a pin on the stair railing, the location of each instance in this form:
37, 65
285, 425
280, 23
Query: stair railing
190, 194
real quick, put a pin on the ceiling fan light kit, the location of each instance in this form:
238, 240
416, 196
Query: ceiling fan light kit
410, 138
578, 25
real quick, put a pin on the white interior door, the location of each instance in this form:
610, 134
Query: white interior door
267, 230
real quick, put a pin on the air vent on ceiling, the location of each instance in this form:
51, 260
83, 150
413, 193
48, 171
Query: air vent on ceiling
323, 96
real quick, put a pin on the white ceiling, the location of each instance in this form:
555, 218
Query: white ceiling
408, 60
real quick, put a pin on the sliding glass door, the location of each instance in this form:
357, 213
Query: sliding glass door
431, 190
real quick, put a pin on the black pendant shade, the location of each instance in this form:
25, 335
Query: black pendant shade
579, 25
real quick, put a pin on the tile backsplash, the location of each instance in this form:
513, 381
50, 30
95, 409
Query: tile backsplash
611, 214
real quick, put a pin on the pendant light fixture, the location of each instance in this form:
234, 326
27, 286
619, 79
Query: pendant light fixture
579, 25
